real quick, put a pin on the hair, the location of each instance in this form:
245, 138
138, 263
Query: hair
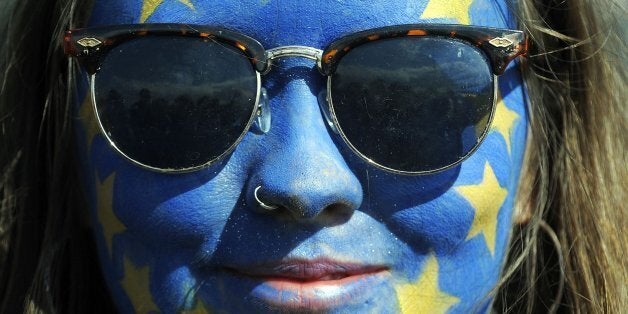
567, 245
568, 250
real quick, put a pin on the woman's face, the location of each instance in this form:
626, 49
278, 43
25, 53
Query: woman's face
348, 237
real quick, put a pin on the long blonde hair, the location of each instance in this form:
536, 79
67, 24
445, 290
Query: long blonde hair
568, 249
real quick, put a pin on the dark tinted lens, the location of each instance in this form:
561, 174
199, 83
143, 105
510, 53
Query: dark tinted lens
175, 102
413, 104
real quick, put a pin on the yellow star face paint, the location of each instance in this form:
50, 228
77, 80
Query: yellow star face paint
108, 220
486, 198
504, 120
149, 7
424, 295
445, 9
91, 127
136, 282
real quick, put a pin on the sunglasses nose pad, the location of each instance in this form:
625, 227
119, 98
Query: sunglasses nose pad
323, 102
263, 112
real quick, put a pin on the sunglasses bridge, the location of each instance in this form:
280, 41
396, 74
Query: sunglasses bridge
293, 51
263, 109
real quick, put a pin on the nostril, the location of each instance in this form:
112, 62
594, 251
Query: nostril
336, 214
332, 209
331, 215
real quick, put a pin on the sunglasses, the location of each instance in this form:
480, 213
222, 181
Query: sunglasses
409, 99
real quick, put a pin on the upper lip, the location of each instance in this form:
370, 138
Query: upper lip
307, 270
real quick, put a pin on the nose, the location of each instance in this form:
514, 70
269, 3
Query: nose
301, 173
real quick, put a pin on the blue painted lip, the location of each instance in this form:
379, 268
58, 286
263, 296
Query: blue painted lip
312, 285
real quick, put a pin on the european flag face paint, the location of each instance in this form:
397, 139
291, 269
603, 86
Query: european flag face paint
349, 238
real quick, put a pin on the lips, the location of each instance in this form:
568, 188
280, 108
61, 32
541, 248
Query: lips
308, 271
318, 285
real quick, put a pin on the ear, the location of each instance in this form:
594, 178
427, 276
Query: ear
523, 213
527, 189
525, 199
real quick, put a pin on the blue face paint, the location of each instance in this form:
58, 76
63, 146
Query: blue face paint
364, 238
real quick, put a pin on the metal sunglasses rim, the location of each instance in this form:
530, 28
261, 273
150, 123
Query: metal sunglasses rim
172, 170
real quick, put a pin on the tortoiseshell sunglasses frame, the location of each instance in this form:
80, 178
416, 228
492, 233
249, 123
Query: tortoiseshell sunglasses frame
500, 45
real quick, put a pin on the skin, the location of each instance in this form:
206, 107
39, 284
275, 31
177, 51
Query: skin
164, 239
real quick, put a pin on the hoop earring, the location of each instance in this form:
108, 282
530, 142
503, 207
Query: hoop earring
262, 204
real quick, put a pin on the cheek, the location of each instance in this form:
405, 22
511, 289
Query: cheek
159, 211
172, 214
147, 225
470, 203
464, 215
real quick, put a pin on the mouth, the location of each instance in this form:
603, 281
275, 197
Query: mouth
299, 271
318, 285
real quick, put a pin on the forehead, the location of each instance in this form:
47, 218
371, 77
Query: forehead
311, 23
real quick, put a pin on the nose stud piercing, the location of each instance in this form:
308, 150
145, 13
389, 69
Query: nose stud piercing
262, 204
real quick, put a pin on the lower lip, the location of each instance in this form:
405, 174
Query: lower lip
290, 295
